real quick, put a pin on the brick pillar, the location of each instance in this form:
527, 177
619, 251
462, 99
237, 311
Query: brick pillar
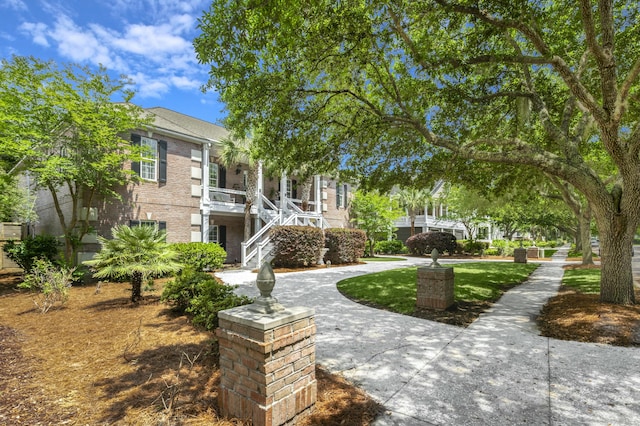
435, 288
533, 252
267, 365
520, 255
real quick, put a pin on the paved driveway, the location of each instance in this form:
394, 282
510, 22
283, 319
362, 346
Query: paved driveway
498, 371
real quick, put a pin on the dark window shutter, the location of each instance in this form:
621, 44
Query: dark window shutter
135, 165
162, 164
162, 226
344, 195
133, 223
222, 177
222, 236
338, 197
294, 189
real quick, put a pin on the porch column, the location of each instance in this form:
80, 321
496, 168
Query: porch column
318, 197
259, 185
205, 173
205, 200
283, 191
205, 225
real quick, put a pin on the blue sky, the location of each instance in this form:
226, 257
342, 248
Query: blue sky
148, 40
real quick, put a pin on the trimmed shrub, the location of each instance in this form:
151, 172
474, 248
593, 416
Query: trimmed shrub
425, 242
25, 252
475, 247
296, 246
389, 247
201, 256
202, 296
345, 245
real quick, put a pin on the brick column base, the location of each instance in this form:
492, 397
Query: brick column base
435, 288
267, 365
520, 255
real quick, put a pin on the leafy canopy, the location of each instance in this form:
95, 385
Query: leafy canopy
397, 91
64, 126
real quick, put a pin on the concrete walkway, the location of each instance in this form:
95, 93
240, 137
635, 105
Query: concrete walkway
498, 371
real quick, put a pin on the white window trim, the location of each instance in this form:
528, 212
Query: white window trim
214, 177
149, 165
214, 234
289, 189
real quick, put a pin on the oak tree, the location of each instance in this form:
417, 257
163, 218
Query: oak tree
386, 88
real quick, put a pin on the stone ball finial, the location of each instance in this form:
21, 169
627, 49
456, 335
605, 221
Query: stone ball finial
434, 258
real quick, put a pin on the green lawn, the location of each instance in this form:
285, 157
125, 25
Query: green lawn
396, 289
582, 280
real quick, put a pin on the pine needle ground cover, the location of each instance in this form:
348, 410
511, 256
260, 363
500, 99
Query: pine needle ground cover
577, 314
99, 359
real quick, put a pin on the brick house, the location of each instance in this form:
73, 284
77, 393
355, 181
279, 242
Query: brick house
185, 190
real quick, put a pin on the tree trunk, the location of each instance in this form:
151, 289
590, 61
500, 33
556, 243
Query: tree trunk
616, 244
136, 286
413, 225
251, 195
247, 220
584, 222
578, 236
306, 193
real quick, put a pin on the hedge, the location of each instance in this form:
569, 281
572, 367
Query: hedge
345, 245
296, 246
425, 242
389, 247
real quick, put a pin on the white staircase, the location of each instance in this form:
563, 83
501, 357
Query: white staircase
257, 249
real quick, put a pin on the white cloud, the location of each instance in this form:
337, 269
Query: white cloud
158, 9
83, 46
14, 4
149, 86
157, 53
183, 82
150, 40
37, 31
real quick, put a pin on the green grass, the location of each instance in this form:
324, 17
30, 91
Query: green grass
549, 252
381, 259
582, 280
396, 289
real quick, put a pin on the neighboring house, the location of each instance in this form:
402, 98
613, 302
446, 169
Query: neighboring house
185, 190
434, 217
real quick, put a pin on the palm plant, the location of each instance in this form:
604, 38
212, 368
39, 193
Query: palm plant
234, 152
412, 199
134, 253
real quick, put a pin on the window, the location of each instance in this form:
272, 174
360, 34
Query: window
341, 195
483, 233
149, 162
214, 234
213, 175
153, 165
161, 224
245, 180
289, 186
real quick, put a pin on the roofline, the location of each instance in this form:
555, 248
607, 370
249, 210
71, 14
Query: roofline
182, 136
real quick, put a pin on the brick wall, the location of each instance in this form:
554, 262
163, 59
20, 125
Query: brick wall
169, 201
267, 375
